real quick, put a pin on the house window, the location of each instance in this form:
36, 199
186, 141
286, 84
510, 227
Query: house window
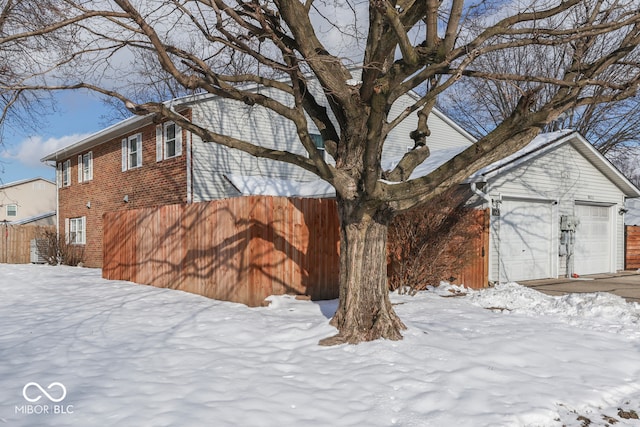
132, 152
77, 231
64, 174
168, 141
12, 210
319, 142
85, 167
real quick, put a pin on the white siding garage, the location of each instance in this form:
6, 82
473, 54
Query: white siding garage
594, 245
557, 174
525, 240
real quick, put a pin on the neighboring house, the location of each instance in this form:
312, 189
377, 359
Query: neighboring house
141, 163
537, 193
30, 201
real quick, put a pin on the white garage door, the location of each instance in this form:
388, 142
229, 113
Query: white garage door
593, 240
525, 240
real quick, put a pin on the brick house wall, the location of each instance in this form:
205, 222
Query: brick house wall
152, 184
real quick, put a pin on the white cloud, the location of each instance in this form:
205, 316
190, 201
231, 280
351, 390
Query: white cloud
30, 150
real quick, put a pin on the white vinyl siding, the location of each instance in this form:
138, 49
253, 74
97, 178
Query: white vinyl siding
211, 162
132, 152
168, 141
566, 177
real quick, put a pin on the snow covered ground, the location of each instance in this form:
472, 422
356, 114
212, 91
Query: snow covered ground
93, 352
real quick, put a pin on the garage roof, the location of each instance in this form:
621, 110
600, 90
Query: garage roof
549, 141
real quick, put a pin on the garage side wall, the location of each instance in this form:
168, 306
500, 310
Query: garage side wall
560, 177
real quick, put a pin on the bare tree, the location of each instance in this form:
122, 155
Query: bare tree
400, 46
480, 105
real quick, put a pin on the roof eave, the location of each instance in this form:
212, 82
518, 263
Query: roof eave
99, 137
608, 169
127, 125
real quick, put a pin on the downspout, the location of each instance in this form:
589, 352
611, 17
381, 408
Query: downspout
189, 168
479, 193
55, 174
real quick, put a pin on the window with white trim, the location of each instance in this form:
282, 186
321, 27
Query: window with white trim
77, 231
64, 174
85, 167
12, 210
168, 141
132, 152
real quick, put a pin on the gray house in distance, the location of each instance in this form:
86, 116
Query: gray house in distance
29, 201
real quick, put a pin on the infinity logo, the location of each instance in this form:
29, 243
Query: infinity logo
43, 391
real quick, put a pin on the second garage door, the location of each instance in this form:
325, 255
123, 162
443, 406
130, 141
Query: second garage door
525, 240
593, 239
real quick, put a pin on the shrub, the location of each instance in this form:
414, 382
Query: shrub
433, 243
56, 251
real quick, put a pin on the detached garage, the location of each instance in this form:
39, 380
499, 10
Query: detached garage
557, 207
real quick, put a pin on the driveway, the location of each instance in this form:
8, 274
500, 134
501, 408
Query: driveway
625, 284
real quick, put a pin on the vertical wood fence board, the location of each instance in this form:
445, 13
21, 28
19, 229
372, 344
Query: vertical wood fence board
312, 250
230, 252
302, 241
194, 235
475, 273
146, 247
224, 252
632, 245
190, 248
175, 251
111, 244
256, 250
129, 259
15, 242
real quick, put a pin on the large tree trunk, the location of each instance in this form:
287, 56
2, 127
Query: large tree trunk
364, 311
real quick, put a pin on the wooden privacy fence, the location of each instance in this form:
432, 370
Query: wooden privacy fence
475, 272
632, 256
241, 249
15, 242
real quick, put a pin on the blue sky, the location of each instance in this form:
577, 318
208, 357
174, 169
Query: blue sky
77, 115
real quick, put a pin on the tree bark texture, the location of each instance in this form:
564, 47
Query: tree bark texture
364, 312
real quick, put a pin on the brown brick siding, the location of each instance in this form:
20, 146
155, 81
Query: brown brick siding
153, 184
